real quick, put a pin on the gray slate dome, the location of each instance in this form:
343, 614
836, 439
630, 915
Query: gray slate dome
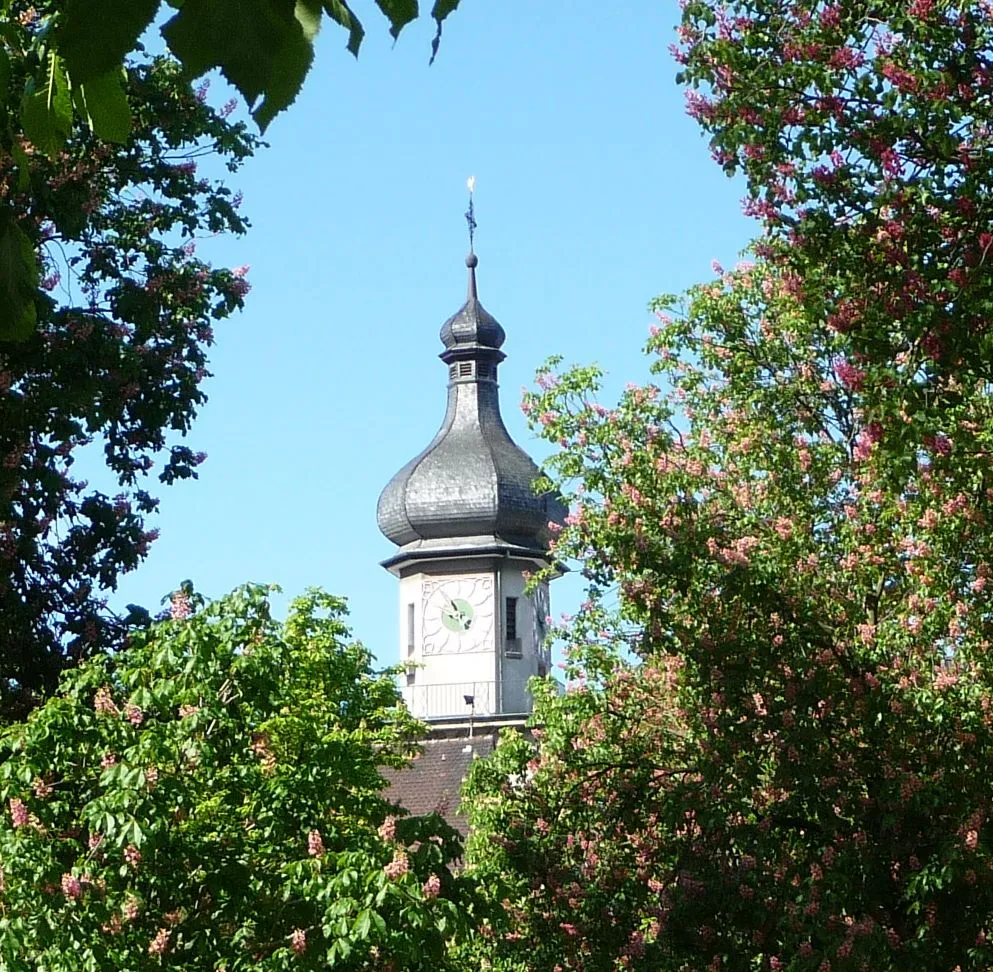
471, 489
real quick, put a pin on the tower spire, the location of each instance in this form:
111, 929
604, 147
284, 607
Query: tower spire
471, 259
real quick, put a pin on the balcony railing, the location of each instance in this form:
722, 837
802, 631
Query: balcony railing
455, 699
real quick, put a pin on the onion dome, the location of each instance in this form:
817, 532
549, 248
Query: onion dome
470, 490
473, 326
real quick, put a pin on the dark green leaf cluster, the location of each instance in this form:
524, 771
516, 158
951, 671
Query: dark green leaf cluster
124, 317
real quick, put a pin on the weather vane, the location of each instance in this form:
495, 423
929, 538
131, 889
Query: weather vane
470, 215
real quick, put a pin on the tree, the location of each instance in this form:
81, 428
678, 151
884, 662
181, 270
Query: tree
71, 58
773, 752
211, 798
124, 313
863, 132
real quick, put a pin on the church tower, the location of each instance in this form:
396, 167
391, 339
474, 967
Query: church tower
469, 528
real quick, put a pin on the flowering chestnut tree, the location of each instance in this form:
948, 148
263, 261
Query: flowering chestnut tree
125, 311
773, 750
863, 130
210, 798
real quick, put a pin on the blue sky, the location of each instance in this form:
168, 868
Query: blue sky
594, 193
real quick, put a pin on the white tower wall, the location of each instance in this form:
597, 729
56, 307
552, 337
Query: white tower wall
492, 660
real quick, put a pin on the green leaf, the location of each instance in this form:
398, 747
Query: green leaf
308, 14
94, 36
259, 45
363, 924
46, 114
399, 13
341, 13
105, 104
18, 279
440, 10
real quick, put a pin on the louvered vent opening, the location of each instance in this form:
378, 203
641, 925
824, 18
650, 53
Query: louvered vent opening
465, 369
453, 371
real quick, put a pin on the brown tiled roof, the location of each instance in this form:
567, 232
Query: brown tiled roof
432, 782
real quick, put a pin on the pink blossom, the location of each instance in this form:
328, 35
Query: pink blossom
18, 812
133, 714
180, 607
298, 941
784, 527
831, 16
399, 866
850, 376
71, 887
432, 886
132, 855
945, 680
315, 844
159, 944
131, 908
103, 703
109, 760
388, 828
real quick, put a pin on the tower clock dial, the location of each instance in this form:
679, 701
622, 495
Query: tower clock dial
540, 602
457, 614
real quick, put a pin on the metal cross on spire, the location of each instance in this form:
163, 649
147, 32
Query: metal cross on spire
470, 214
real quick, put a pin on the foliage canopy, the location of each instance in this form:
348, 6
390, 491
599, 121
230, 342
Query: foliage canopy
124, 315
211, 797
773, 753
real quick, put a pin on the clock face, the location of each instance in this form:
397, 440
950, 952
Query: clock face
540, 602
457, 614
540, 607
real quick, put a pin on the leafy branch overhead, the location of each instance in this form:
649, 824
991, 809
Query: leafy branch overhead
263, 47
71, 60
